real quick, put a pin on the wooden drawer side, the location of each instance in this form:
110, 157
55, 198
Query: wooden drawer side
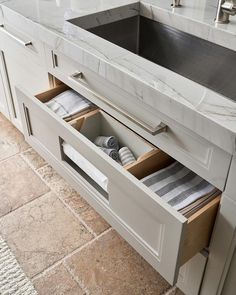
199, 229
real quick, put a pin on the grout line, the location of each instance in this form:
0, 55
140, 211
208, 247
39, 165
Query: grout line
76, 215
29, 163
169, 292
26, 203
35, 170
10, 157
76, 279
30, 148
16, 154
63, 259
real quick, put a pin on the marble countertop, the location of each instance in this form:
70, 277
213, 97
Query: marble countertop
205, 112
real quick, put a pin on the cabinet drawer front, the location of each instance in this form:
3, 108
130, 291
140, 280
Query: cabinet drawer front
21, 46
204, 158
158, 232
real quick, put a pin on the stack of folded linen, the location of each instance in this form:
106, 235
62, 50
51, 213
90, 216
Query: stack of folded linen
181, 188
85, 165
110, 146
69, 104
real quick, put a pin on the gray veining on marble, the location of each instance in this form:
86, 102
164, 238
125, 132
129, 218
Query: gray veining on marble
205, 112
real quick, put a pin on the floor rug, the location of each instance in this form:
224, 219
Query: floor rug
13, 281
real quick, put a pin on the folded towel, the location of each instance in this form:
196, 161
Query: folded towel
111, 153
198, 204
126, 156
178, 185
68, 103
85, 165
109, 142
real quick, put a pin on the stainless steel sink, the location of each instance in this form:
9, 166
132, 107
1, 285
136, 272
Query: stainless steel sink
201, 61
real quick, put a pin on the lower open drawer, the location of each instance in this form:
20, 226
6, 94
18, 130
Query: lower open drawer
163, 236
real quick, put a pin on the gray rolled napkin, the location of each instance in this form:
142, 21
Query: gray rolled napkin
113, 153
126, 156
109, 142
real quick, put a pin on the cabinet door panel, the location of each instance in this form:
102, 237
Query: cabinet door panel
22, 68
26, 74
4, 89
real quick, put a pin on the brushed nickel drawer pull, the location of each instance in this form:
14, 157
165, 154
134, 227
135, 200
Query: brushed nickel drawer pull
78, 78
18, 40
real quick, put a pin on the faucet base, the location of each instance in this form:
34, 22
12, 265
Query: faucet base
223, 21
176, 3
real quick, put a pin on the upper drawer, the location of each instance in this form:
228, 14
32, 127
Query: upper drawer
21, 43
204, 158
163, 236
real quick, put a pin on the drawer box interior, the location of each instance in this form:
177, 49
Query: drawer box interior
149, 159
48, 95
99, 123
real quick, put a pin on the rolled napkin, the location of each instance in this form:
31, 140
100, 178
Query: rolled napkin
126, 156
68, 103
111, 153
109, 142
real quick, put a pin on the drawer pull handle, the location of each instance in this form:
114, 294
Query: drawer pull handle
18, 40
78, 77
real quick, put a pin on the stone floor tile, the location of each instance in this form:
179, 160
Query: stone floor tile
179, 292
34, 159
18, 184
11, 140
63, 189
57, 183
42, 232
94, 221
73, 199
76, 203
57, 281
110, 266
174, 291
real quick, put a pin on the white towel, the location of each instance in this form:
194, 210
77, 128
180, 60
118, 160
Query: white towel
178, 185
68, 103
86, 166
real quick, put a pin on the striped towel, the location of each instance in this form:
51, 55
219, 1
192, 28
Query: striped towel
126, 156
68, 103
111, 153
109, 142
178, 185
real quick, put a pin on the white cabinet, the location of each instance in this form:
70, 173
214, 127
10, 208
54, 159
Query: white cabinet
229, 285
191, 274
22, 66
3, 95
199, 155
171, 239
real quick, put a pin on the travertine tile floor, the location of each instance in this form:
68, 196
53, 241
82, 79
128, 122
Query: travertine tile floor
62, 244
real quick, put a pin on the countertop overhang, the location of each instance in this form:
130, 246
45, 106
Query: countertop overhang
204, 112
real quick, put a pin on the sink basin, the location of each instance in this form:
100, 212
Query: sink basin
201, 61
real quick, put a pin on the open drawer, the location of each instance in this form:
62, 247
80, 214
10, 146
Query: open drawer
163, 236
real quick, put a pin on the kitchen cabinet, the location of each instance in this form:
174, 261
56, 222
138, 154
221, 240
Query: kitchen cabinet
4, 89
25, 64
21, 65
